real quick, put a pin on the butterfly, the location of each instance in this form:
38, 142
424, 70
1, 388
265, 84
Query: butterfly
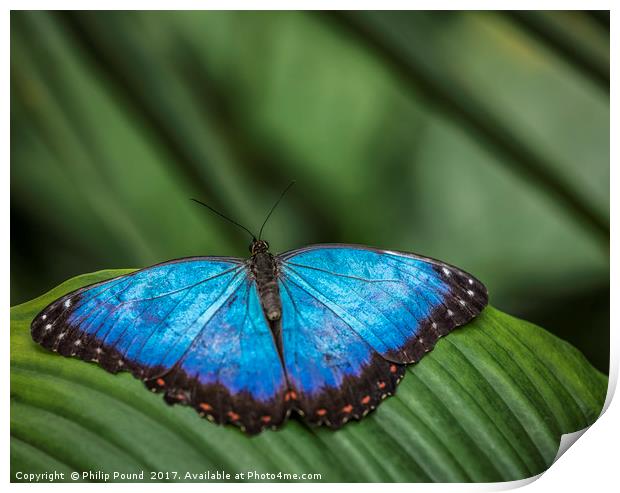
324, 331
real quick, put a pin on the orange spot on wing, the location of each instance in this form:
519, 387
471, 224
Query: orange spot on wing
393, 368
161, 382
365, 399
381, 385
321, 412
205, 407
347, 409
233, 416
290, 395
265, 419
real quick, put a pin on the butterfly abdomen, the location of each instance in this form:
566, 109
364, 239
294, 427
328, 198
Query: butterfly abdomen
264, 268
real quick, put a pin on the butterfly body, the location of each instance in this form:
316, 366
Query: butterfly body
324, 331
264, 268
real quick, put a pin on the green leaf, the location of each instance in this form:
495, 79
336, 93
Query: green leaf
489, 403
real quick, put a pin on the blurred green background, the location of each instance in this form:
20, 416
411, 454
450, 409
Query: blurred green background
478, 138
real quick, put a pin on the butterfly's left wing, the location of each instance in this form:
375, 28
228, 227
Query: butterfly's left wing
192, 328
352, 316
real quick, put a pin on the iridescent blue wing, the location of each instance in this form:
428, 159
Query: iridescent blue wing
353, 316
192, 328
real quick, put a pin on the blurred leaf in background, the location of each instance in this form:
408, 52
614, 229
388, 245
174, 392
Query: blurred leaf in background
478, 138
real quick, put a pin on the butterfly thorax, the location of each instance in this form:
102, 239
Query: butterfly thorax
265, 272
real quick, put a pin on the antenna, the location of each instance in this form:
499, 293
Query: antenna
225, 217
260, 233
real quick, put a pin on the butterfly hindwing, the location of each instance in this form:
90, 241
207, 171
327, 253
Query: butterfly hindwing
192, 328
335, 375
233, 368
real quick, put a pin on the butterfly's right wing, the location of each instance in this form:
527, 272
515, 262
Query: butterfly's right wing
353, 316
192, 328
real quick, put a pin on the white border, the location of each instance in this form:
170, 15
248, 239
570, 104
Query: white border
589, 465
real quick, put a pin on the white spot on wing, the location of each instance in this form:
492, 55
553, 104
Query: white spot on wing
471, 281
43, 317
450, 313
470, 292
68, 303
446, 271
48, 326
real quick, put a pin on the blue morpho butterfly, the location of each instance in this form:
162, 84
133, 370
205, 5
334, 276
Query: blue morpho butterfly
325, 330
